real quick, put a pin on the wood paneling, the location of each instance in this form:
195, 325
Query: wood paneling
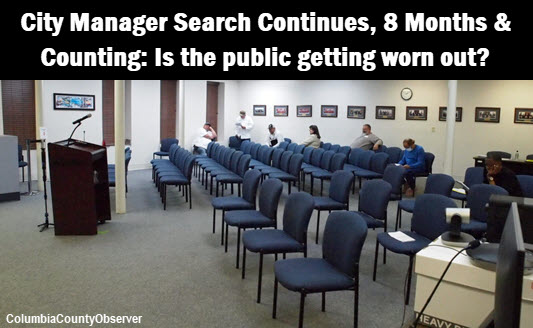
18, 101
212, 105
168, 108
108, 112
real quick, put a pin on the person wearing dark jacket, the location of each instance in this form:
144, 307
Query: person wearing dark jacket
496, 174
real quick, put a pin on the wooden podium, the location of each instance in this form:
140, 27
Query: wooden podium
80, 186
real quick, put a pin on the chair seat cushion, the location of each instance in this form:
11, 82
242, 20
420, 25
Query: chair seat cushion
350, 167
270, 241
161, 153
159, 160
304, 165
367, 174
231, 203
322, 174
456, 195
475, 227
255, 162
311, 275
371, 222
212, 168
170, 174
408, 248
269, 170
248, 219
326, 203
261, 166
395, 196
229, 178
175, 179
220, 171
311, 169
283, 176
407, 205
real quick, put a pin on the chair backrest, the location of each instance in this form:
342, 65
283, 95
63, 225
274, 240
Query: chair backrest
354, 155
429, 159
219, 154
166, 143
173, 149
335, 147
287, 140
243, 165
325, 162
381, 149
394, 175
245, 146
292, 147
478, 197
316, 156
285, 160
227, 157
181, 159
209, 148
440, 184
503, 154
283, 145
250, 184
127, 159
307, 154
267, 156
339, 186
261, 152
345, 150
299, 149
269, 198
214, 150
344, 236
296, 215
254, 150
337, 162
364, 159
235, 161
233, 143
21, 157
295, 164
394, 154
473, 176
187, 168
326, 146
276, 157
379, 162
429, 215
526, 183
374, 197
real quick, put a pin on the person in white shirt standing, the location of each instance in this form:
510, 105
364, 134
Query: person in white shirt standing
243, 126
204, 136
274, 137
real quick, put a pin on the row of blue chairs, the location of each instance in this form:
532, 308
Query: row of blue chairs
111, 169
175, 171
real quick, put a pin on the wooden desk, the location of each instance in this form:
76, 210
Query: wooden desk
517, 166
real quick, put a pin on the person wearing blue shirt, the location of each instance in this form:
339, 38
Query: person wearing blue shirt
414, 161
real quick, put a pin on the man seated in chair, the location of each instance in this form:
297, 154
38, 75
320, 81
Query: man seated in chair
367, 140
414, 161
205, 135
496, 174
274, 137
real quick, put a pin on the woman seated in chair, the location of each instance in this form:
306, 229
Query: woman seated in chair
496, 174
314, 137
413, 161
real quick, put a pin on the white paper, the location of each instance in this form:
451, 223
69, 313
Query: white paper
400, 236
459, 190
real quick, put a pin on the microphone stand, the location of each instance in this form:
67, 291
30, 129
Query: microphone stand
70, 138
46, 224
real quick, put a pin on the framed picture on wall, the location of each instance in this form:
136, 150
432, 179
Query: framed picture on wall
458, 114
66, 101
385, 112
328, 110
281, 110
488, 114
416, 113
523, 115
260, 110
358, 112
304, 111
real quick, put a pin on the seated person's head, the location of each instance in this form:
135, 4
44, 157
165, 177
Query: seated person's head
408, 144
367, 129
242, 114
207, 126
313, 129
271, 128
493, 164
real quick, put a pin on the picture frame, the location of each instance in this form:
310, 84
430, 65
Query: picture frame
259, 110
523, 115
458, 114
77, 102
385, 112
281, 110
357, 112
304, 111
416, 113
487, 114
329, 111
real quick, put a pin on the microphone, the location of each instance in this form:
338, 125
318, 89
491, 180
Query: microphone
82, 119
474, 244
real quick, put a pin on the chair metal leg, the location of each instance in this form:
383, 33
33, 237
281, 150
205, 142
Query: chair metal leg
226, 242
398, 216
284, 256
164, 197
321, 186
190, 196
323, 301
243, 261
214, 215
317, 226
222, 231
260, 278
356, 300
410, 273
375, 261
289, 184
217, 190
232, 188
312, 182
275, 302
238, 246
302, 304
239, 189
22, 174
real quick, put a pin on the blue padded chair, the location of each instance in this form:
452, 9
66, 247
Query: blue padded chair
234, 143
373, 201
335, 147
428, 160
232, 203
165, 147
381, 149
378, 162
526, 183
266, 158
338, 269
299, 149
287, 140
283, 145
394, 154
111, 169
245, 147
477, 199
353, 159
292, 147
337, 163
325, 163
22, 163
266, 217
338, 198
364, 160
345, 150
292, 239
260, 153
502, 154
308, 151
473, 176
232, 170
292, 176
235, 177
220, 168
394, 175
440, 184
180, 180
314, 164
325, 146
276, 162
429, 222
254, 149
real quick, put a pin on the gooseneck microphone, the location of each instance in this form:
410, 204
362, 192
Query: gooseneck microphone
79, 120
